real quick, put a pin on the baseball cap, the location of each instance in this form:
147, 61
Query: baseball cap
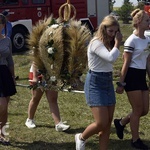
5, 13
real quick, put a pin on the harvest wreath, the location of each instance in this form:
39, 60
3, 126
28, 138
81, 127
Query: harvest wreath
59, 49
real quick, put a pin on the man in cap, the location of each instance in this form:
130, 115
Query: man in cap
8, 24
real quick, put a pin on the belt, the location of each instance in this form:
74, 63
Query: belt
102, 73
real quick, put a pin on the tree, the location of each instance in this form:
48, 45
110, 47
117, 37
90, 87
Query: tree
125, 10
140, 5
111, 4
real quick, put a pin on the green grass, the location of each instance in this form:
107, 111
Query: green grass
73, 109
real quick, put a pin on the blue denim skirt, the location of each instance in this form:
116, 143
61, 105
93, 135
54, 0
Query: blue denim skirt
99, 89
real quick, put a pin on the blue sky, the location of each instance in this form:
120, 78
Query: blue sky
120, 2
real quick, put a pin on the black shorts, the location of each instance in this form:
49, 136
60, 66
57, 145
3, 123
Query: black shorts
135, 80
7, 86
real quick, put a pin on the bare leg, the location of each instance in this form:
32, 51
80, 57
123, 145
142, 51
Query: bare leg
36, 97
54, 109
125, 120
104, 136
145, 99
138, 101
103, 117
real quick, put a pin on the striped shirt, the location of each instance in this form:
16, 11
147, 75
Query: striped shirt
139, 49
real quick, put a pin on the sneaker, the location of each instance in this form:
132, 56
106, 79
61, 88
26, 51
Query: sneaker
138, 144
61, 126
4, 142
30, 123
119, 128
80, 144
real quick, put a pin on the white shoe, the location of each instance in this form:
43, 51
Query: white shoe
61, 127
80, 144
30, 123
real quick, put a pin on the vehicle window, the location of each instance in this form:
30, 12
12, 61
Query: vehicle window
11, 1
1, 2
38, 1
25, 2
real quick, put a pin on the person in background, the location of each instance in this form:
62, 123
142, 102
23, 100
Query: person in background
103, 50
133, 78
7, 81
8, 28
36, 97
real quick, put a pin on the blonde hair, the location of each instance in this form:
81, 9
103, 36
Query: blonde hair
101, 33
137, 16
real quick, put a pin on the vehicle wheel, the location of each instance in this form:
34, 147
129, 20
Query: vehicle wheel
19, 39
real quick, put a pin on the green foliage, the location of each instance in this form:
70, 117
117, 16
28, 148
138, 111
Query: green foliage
140, 5
111, 4
125, 10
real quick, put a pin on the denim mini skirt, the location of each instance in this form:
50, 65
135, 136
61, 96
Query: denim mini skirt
99, 89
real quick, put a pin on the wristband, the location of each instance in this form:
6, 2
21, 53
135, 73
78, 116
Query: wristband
121, 84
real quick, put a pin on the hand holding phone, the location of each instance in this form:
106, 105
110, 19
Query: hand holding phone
118, 39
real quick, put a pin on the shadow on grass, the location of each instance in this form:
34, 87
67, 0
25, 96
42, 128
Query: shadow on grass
69, 131
25, 52
16, 114
41, 145
124, 144
114, 144
113, 131
20, 79
120, 144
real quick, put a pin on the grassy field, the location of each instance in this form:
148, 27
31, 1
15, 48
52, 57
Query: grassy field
73, 109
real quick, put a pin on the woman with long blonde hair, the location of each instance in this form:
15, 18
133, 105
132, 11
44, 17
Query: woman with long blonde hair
133, 73
103, 50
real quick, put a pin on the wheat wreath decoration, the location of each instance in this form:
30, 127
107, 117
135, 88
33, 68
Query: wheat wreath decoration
59, 49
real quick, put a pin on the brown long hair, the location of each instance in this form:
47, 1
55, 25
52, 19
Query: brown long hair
101, 33
3, 21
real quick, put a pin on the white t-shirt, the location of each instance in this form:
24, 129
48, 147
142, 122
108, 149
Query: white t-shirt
138, 48
100, 59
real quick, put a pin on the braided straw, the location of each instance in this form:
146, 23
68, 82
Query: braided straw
67, 7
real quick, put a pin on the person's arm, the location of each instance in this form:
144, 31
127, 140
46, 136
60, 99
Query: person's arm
109, 55
127, 59
105, 54
129, 48
148, 66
